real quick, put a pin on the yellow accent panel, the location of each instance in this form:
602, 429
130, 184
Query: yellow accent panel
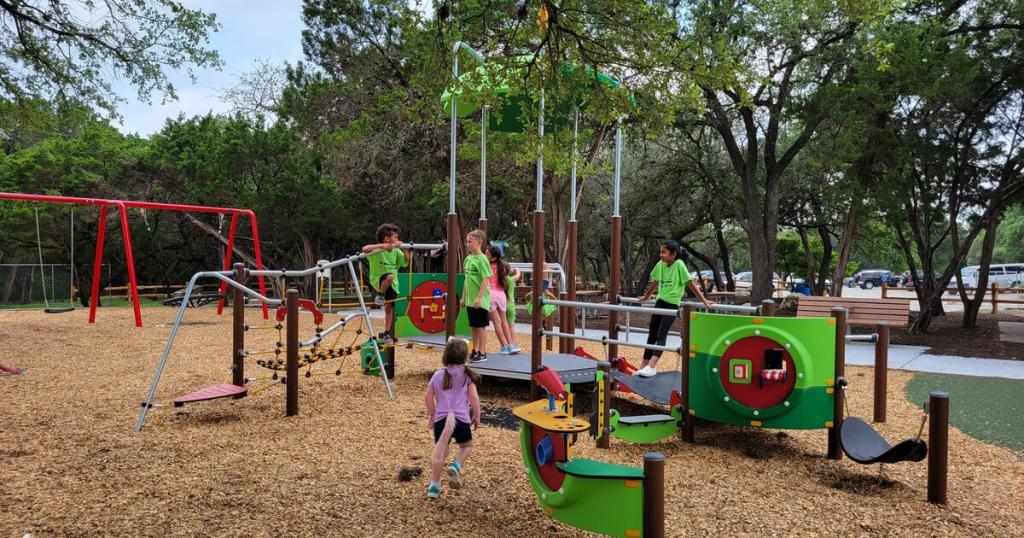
831, 321
632, 533
693, 411
757, 321
755, 423
828, 424
693, 315
693, 347
830, 382
631, 483
693, 355
829, 391
548, 510
557, 421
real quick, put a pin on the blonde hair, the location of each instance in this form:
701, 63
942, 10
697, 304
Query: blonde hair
479, 235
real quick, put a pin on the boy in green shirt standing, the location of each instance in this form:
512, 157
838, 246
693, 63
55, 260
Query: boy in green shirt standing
476, 293
384, 266
670, 277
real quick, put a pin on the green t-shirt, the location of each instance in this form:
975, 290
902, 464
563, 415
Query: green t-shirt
385, 262
672, 280
477, 269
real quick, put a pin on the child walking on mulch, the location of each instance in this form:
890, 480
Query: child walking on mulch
453, 408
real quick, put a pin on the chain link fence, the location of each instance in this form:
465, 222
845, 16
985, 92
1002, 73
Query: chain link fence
33, 286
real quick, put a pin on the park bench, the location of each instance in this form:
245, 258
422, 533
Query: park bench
878, 313
860, 311
195, 300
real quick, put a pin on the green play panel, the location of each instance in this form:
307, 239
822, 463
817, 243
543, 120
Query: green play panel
986, 408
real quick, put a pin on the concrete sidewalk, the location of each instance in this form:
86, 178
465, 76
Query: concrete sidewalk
911, 358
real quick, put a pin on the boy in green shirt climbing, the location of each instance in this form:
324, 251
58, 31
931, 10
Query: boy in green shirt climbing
384, 266
670, 277
476, 293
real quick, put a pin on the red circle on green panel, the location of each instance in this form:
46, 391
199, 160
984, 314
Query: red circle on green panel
426, 308
752, 392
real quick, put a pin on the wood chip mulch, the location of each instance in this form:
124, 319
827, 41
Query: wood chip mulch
356, 464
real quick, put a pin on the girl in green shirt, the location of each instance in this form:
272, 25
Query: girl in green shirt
669, 277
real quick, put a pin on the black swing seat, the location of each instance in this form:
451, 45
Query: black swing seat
59, 310
863, 444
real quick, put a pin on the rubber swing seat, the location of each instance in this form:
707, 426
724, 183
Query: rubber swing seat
863, 444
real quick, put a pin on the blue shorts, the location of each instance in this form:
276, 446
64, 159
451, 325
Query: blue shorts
462, 434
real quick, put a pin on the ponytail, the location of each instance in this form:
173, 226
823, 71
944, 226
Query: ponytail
672, 246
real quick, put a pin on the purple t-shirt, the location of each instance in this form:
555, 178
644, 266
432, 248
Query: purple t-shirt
455, 399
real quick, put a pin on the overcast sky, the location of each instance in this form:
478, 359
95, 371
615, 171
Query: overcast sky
250, 31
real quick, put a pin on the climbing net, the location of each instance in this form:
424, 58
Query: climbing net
331, 357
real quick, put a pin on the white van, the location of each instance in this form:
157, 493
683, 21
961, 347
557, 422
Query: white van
1003, 275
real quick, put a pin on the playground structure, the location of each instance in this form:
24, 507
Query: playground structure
288, 313
579, 491
122, 206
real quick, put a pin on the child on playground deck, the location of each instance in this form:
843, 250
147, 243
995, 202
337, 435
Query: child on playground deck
670, 277
453, 407
510, 314
499, 301
476, 293
384, 268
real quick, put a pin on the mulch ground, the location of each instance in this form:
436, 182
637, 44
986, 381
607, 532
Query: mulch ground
73, 467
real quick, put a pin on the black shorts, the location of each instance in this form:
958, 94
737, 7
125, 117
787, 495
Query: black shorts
478, 317
389, 294
462, 434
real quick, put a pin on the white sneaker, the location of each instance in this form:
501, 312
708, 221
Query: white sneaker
647, 371
505, 350
514, 349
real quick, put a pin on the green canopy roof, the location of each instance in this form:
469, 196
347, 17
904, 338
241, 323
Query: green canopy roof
510, 116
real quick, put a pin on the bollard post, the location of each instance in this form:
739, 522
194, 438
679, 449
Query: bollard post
835, 452
238, 329
292, 361
938, 452
684, 384
881, 371
654, 495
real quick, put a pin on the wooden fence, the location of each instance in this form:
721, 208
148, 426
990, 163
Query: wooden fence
996, 295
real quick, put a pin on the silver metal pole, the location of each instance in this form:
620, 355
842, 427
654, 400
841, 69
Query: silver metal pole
612, 307
642, 330
483, 163
373, 337
455, 124
572, 176
872, 338
540, 156
618, 168
606, 340
700, 306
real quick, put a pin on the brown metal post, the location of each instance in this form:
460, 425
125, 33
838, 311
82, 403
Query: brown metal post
451, 308
615, 283
885, 289
389, 353
606, 412
835, 452
881, 371
938, 452
684, 384
570, 276
238, 329
768, 307
537, 322
292, 361
654, 495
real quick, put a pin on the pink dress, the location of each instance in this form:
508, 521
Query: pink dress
499, 301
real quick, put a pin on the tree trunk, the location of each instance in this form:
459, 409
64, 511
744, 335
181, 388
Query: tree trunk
845, 247
723, 253
812, 275
826, 259
973, 306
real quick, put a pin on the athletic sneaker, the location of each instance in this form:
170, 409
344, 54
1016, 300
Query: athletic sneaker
379, 300
433, 491
476, 357
647, 371
514, 349
505, 350
455, 475
386, 338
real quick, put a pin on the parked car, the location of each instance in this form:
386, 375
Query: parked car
909, 281
1003, 275
708, 277
746, 279
875, 277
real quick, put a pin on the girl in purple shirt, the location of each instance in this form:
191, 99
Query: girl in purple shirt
453, 407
